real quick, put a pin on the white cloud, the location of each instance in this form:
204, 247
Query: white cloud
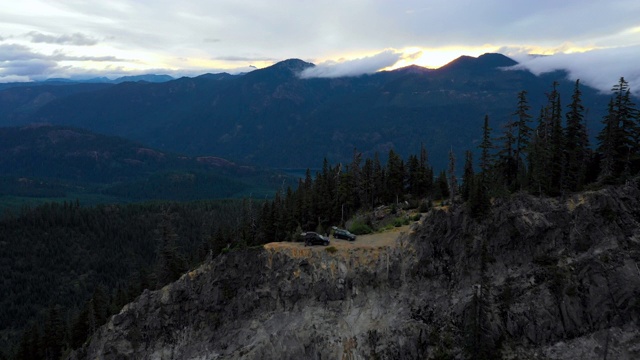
355, 67
600, 69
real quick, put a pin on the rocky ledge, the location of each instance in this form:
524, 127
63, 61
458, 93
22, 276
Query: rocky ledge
537, 278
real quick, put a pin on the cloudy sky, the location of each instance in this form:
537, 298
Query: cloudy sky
595, 40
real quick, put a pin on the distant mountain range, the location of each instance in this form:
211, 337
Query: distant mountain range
272, 117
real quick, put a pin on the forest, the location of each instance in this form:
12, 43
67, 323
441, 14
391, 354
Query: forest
66, 268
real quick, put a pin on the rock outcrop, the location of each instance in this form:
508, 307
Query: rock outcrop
537, 278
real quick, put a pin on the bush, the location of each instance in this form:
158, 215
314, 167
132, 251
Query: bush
416, 217
359, 228
424, 206
331, 249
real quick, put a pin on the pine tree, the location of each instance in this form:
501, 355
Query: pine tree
169, 263
618, 140
485, 146
395, 177
442, 186
557, 142
453, 181
576, 143
627, 116
547, 153
467, 176
506, 159
523, 138
425, 174
357, 193
378, 181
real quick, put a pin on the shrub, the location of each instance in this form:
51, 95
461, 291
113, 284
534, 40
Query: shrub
360, 228
331, 249
417, 217
424, 206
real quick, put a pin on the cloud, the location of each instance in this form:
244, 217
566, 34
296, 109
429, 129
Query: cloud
67, 39
600, 68
60, 56
14, 78
21, 63
244, 58
355, 67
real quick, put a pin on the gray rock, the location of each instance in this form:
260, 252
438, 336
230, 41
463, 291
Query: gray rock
538, 278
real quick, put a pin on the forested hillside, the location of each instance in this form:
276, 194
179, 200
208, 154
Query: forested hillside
66, 268
44, 162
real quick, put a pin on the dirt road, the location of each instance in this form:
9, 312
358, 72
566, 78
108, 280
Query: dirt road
381, 239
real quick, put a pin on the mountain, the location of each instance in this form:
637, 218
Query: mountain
537, 278
18, 101
272, 117
54, 161
147, 78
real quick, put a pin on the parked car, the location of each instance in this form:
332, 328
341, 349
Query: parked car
343, 234
313, 238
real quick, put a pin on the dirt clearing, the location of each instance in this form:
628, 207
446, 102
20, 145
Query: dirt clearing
382, 239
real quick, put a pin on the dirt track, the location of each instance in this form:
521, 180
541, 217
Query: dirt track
386, 238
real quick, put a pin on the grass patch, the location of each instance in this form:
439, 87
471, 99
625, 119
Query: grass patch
331, 249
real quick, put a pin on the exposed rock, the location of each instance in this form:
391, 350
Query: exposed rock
538, 278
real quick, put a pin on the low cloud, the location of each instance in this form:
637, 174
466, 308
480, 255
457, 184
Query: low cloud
14, 78
60, 56
66, 39
600, 68
355, 67
27, 67
20, 63
244, 58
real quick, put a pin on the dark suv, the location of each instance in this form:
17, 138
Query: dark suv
312, 238
343, 234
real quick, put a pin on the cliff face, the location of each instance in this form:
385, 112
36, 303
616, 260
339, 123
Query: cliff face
537, 278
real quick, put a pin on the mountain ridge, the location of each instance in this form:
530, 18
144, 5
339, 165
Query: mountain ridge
266, 116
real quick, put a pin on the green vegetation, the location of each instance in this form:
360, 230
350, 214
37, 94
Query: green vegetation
82, 264
53, 163
331, 249
360, 228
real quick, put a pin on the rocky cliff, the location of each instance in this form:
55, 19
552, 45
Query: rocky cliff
537, 278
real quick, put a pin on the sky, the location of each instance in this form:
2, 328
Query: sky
596, 41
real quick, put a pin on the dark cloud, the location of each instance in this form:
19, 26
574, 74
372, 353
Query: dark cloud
15, 52
366, 65
21, 62
67, 39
